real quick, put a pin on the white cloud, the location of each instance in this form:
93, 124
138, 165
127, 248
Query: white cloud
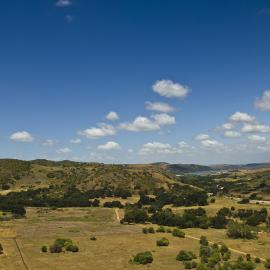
97, 132
168, 88
232, 134
227, 126
164, 119
211, 144
109, 146
64, 150
242, 117
112, 116
140, 123
201, 137
75, 141
263, 103
63, 3
21, 136
49, 142
130, 150
257, 138
159, 107
151, 148
156, 147
257, 127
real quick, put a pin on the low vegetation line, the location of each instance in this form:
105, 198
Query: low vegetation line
19, 250
231, 249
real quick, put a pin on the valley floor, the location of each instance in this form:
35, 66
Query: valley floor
115, 245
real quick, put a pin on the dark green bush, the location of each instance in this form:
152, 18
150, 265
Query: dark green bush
72, 248
143, 258
163, 242
184, 255
178, 233
44, 249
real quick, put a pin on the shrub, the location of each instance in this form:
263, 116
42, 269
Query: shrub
184, 255
257, 260
203, 241
72, 248
1, 249
239, 230
143, 258
93, 238
44, 249
248, 257
145, 230
160, 229
63, 242
163, 242
151, 230
55, 249
226, 256
213, 200
169, 230
178, 233
187, 265
267, 264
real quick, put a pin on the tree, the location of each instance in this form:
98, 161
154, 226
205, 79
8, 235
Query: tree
44, 249
178, 233
163, 242
238, 230
203, 241
184, 255
267, 264
143, 258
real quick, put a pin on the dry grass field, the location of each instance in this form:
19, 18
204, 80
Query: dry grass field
115, 244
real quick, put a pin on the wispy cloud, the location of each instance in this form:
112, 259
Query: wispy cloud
63, 3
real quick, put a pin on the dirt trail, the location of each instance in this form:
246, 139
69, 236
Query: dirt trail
231, 249
117, 214
23, 261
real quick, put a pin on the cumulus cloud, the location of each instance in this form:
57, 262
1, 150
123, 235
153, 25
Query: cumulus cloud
64, 150
97, 132
257, 138
242, 117
109, 146
170, 89
211, 144
263, 103
49, 142
140, 123
21, 136
75, 141
164, 119
159, 107
201, 137
63, 3
227, 126
232, 134
256, 127
112, 116
151, 148
156, 147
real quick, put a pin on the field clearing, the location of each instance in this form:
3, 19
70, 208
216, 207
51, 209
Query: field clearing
115, 244
212, 208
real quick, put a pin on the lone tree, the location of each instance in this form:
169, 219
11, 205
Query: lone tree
143, 258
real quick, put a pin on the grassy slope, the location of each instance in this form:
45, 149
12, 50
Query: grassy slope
41, 173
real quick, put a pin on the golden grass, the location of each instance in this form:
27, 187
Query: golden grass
115, 244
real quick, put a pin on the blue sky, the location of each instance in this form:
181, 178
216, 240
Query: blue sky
172, 72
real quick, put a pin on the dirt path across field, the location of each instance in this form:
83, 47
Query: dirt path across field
231, 249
